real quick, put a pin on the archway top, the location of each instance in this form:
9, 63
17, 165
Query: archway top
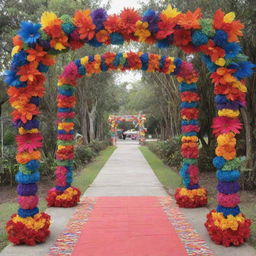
126, 118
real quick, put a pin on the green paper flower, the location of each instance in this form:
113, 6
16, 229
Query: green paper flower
66, 18
207, 28
232, 164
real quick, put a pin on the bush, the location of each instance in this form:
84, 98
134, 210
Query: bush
168, 150
206, 155
8, 166
83, 155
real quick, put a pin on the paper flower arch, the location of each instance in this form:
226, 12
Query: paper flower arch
215, 39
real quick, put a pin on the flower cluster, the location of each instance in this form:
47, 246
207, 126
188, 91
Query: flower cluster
192, 195
230, 230
191, 198
69, 198
30, 230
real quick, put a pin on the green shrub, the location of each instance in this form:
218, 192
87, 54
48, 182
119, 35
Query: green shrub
206, 155
83, 155
168, 150
8, 166
9, 136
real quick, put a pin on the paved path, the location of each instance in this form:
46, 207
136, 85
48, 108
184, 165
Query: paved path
127, 173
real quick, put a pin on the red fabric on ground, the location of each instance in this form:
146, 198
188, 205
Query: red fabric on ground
128, 226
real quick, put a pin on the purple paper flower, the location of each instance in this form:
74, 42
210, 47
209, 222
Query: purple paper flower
228, 187
98, 17
27, 189
152, 18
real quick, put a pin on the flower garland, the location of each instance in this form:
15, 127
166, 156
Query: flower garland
192, 195
35, 44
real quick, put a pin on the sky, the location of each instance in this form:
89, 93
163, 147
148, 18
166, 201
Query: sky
116, 7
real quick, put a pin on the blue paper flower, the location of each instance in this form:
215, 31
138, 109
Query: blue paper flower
220, 38
244, 69
144, 59
24, 213
116, 38
43, 68
184, 174
199, 38
19, 59
177, 62
12, 79
184, 87
188, 105
218, 162
165, 43
187, 122
228, 211
94, 43
209, 64
27, 178
32, 165
232, 49
68, 28
29, 32
228, 176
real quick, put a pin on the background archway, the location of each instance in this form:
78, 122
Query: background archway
139, 120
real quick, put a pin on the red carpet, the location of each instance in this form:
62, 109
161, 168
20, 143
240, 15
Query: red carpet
128, 226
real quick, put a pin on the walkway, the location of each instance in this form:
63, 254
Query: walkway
126, 212
127, 173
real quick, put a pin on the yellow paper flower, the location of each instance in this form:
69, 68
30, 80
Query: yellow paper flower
141, 30
48, 19
24, 131
171, 12
220, 62
84, 60
15, 49
229, 17
239, 85
229, 113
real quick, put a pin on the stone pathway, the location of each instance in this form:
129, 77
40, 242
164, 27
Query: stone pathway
126, 174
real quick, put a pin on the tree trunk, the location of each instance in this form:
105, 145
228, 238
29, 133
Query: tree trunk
248, 137
92, 116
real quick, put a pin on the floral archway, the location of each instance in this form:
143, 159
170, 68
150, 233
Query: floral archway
215, 39
139, 120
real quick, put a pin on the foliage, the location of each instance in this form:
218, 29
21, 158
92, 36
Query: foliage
86, 153
168, 150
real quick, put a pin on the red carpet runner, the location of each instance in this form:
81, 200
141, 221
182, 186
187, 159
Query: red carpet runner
129, 226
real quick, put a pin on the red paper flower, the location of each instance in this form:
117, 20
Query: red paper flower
213, 51
182, 37
128, 19
224, 124
165, 27
190, 20
29, 142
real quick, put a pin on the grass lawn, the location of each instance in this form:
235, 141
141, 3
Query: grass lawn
169, 178
82, 180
